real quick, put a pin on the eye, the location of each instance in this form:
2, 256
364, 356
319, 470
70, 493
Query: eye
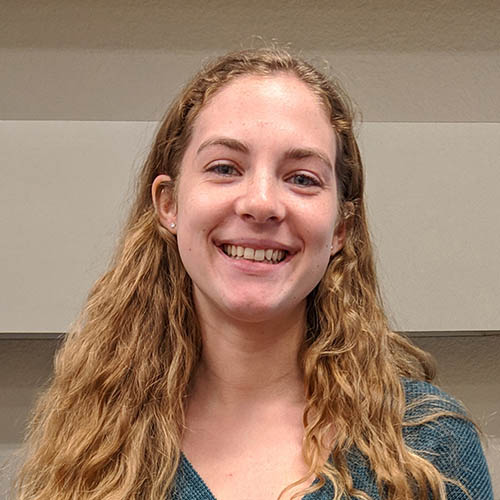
224, 169
304, 180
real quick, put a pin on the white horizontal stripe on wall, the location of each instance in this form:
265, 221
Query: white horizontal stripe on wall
433, 206
435, 214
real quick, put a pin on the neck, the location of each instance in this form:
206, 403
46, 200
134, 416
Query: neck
250, 363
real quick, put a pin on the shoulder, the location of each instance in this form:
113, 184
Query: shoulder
433, 419
436, 426
423, 398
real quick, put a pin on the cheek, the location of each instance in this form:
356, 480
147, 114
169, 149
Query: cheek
321, 233
320, 217
197, 215
190, 212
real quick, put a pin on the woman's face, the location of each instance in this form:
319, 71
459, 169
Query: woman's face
257, 207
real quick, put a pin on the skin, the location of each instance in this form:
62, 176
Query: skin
258, 172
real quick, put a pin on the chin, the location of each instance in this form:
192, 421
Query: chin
259, 312
247, 306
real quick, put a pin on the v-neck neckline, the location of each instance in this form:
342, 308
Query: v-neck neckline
197, 476
201, 484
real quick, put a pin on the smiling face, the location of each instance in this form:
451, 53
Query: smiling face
256, 206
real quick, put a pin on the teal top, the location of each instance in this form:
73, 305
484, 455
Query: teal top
450, 443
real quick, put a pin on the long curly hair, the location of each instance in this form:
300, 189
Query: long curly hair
111, 422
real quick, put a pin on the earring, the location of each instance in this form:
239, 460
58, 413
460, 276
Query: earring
172, 225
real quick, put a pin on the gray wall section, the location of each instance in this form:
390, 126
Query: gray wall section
468, 368
25, 368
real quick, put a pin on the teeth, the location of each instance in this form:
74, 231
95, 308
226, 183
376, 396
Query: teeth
260, 255
249, 253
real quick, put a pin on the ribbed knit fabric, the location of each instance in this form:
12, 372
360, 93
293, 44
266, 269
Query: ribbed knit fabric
450, 443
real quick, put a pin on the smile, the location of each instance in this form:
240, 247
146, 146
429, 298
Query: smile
271, 256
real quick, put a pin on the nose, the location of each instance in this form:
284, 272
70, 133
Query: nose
261, 199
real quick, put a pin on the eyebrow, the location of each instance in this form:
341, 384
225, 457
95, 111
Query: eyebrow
301, 153
225, 141
291, 154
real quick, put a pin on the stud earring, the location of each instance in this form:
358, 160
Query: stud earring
172, 225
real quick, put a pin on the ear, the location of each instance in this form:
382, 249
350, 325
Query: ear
164, 203
339, 236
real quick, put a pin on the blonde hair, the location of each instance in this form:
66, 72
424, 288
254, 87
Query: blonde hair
110, 425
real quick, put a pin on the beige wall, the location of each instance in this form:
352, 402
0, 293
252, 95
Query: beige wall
83, 84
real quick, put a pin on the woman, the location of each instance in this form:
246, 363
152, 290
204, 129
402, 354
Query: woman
238, 336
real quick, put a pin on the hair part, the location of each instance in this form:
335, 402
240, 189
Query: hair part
110, 424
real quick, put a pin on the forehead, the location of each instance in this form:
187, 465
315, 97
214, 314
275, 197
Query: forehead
280, 103
278, 85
